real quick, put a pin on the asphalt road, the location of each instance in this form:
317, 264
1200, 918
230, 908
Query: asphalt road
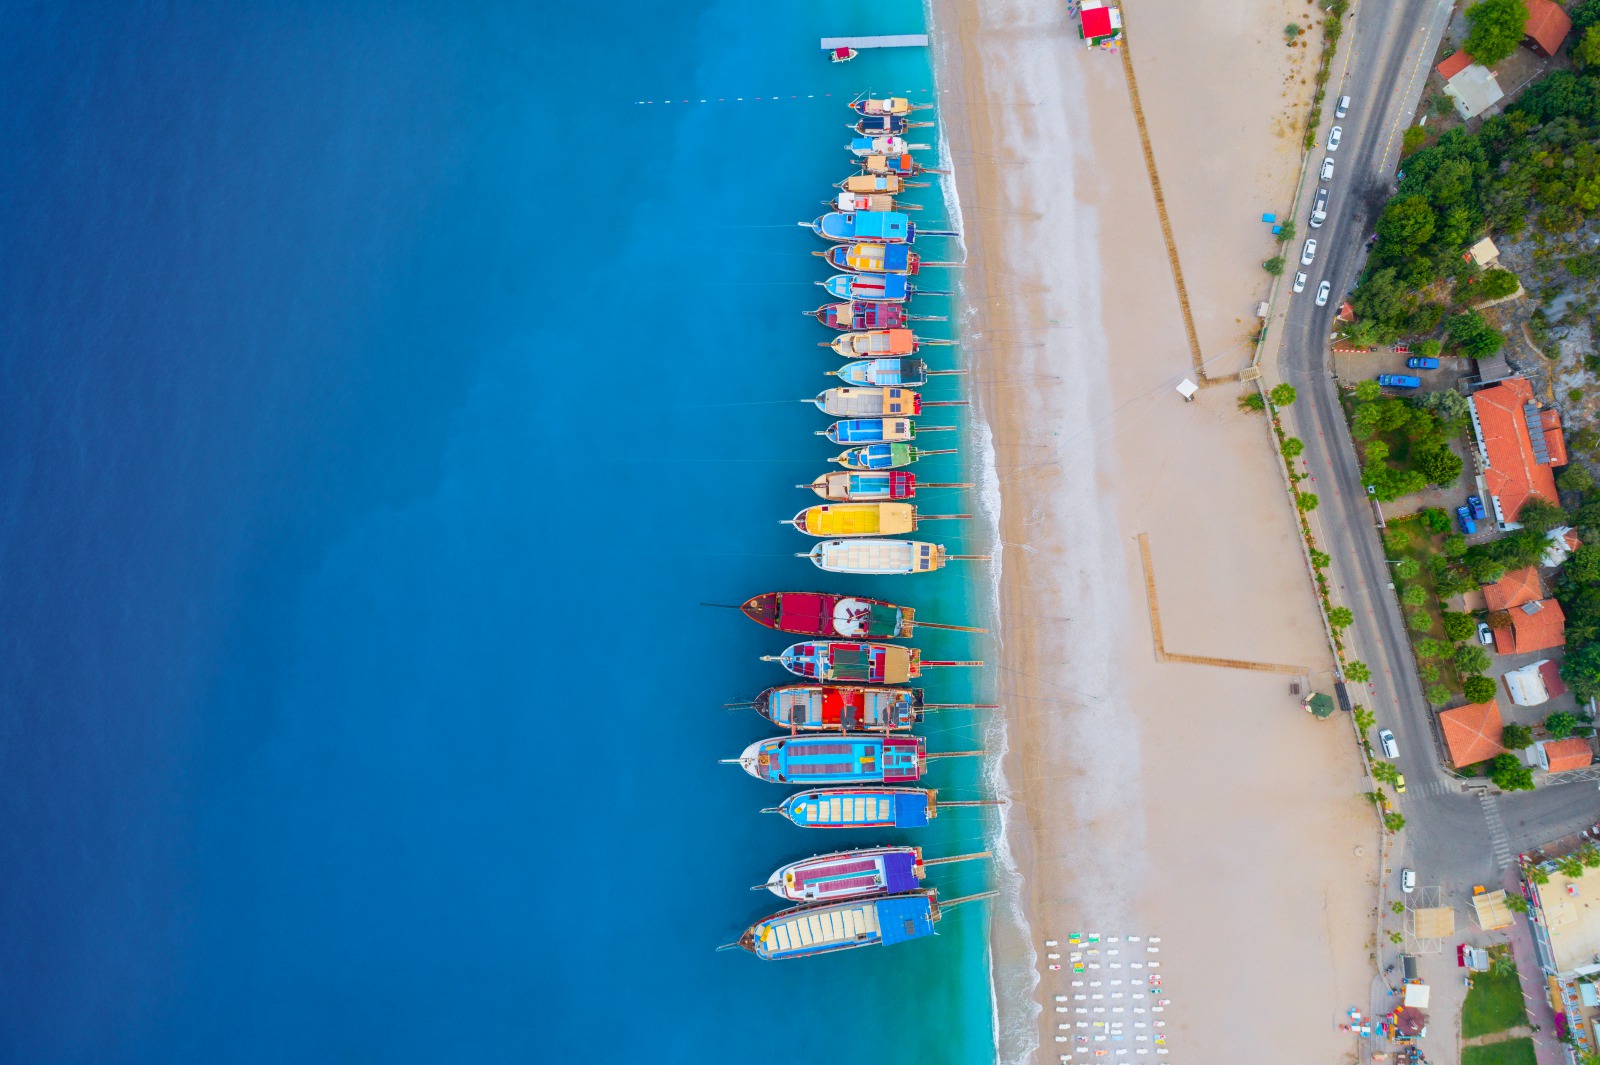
1454, 837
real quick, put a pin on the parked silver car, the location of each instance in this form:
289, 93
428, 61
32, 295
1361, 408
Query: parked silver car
1299, 282
1334, 136
1308, 253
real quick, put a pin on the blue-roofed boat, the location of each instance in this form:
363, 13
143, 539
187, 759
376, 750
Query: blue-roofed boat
866, 147
894, 164
857, 808
886, 126
877, 373
862, 314
877, 430
806, 931
847, 758
856, 874
884, 288
874, 227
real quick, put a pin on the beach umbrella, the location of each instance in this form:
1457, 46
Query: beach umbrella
1410, 1020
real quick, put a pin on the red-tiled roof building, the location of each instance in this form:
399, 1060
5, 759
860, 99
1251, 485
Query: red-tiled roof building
1518, 586
1472, 733
1518, 447
1546, 28
1458, 62
1561, 756
1537, 623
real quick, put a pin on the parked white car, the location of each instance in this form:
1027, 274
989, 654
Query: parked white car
1334, 136
1386, 741
1299, 282
1341, 108
1308, 253
1408, 880
1485, 634
1322, 293
1327, 169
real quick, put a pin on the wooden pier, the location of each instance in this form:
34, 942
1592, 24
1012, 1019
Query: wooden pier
905, 40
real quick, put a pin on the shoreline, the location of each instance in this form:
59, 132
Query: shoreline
1076, 341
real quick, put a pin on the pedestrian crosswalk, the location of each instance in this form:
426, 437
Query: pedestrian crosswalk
1439, 787
1497, 830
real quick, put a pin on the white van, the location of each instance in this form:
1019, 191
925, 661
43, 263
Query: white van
1319, 208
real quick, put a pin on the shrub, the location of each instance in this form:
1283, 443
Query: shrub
1438, 695
1496, 284
1509, 774
1455, 545
1252, 401
1358, 672
1274, 265
1436, 519
1414, 595
1478, 689
1407, 569
1560, 725
1340, 617
1458, 626
1306, 501
1292, 447
1412, 140
1471, 658
1512, 737
1420, 621
1282, 395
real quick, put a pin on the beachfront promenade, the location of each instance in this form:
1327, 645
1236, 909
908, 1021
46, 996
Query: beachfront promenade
1457, 834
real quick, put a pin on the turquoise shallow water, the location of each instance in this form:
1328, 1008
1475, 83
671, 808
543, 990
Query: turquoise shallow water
384, 389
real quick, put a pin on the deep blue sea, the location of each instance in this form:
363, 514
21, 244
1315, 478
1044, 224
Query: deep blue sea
382, 389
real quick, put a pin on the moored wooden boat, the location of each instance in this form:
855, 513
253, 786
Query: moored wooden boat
842, 707
873, 258
877, 430
880, 401
866, 147
883, 288
847, 486
872, 227
883, 556
889, 372
869, 342
886, 126
878, 184
866, 807
806, 931
886, 105
842, 55
900, 165
855, 874
885, 456
861, 314
848, 758
851, 661
863, 519
826, 614
862, 201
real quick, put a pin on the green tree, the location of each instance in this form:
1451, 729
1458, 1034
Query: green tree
1586, 53
1357, 672
1407, 223
1394, 822
1509, 774
1252, 402
1448, 405
1471, 658
1458, 626
1364, 719
1496, 29
1574, 478
1455, 545
1516, 903
1436, 519
1540, 517
1385, 772
1429, 672
1306, 501
1478, 689
1589, 855
1570, 866
1437, 694
1274, 265
1420, 621
1367, 391
1431, 649
1407, 569
1285, 232
1340, 617
1495, 284
1412, 139
1583, 565
1397, 906
1282, 395
1512, 737
1560, 724
1293, 446
1429, 349
1414, 595
1437, 463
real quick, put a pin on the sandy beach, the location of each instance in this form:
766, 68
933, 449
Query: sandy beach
1191, 802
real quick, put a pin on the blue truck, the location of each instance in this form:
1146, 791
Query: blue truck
1399, 380
1464, 516
1422, 362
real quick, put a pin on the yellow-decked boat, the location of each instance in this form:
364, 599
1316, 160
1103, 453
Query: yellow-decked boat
857, 519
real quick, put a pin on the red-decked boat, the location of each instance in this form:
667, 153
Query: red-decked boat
849, 486
864, 314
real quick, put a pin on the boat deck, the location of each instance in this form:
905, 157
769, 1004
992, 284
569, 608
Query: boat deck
861, 809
